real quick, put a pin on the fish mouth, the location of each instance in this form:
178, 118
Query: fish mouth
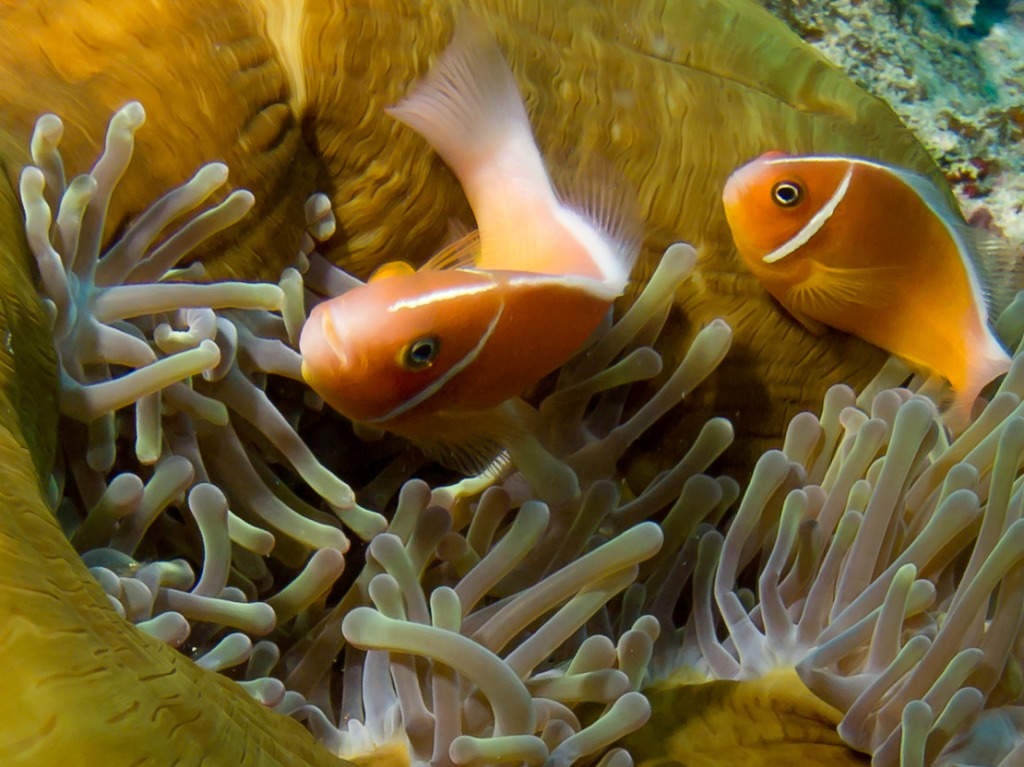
334, 342
736, 186
731, 193
319, 344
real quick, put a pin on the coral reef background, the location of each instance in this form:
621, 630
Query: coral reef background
954, 72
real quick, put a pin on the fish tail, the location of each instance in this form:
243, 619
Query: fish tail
992, 364
998, 264
469, 109
961, 413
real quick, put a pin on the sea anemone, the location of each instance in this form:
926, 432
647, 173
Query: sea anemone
293, 100
888, 568
456, 584
190, 360
871, 554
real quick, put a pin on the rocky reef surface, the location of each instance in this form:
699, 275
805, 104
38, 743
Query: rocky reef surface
953, 71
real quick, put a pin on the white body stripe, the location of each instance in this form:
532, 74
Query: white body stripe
593, 287
813, 226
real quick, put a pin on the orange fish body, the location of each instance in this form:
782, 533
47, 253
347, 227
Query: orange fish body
436, 355
871, 250
401, 349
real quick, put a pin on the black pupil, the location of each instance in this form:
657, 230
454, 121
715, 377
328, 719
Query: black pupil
786, 193
422, 352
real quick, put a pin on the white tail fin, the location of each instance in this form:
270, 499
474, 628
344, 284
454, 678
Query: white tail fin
469, 109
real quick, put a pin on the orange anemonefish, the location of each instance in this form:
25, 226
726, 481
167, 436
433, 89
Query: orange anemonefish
414, 353
875, 251
438, 355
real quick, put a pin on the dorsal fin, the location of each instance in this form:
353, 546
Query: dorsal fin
391, 269
994, 260
461, 254
457, 229
598, 193
999, 267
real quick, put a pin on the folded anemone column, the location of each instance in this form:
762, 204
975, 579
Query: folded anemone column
84, 687
700, 63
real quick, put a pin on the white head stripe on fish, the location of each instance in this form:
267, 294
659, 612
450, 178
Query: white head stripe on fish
437, 385
813, 226
826, 158
440, 295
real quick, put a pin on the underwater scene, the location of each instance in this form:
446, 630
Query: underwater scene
476, 383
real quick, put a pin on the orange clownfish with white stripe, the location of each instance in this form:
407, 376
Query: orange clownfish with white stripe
438, 355
878, 252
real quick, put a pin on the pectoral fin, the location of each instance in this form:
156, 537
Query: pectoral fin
829, 292
391, 269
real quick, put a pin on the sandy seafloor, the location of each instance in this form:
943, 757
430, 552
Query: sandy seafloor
954, 72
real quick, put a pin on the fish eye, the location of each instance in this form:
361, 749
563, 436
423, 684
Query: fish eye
421, 353
786, 194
